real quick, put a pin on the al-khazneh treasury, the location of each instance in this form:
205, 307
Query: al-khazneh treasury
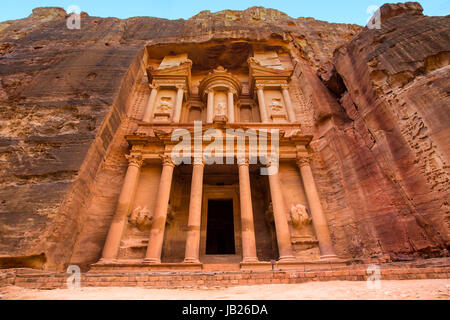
88, 118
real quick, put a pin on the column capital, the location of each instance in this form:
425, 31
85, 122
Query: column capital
134, 160
260, 86
166, 160
272, 160
284, 86
180, 86
304, 160
154, 86
243, 161
199, 161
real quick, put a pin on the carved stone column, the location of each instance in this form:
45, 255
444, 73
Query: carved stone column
281, 222
151, 104
162, 203
318, 216
116, 228
288, 103
248, 228
262, 103
210, 107
195, 214
230, 106
179, 104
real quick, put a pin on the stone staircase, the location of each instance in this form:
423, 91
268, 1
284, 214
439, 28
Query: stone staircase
210, 278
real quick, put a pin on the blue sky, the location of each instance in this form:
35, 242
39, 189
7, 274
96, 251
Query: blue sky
345, 11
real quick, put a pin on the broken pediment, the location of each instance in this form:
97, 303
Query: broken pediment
172, 70
268, 59
261, 70
173, 61
265, 69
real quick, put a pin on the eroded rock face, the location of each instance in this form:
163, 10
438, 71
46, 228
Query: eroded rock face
393, 152
380, 133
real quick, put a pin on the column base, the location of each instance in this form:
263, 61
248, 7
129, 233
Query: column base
250, 260
151, 261
191, 260
287, 259
107, 261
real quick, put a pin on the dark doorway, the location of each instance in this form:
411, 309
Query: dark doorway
220, 227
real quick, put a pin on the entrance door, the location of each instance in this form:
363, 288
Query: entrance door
220, 227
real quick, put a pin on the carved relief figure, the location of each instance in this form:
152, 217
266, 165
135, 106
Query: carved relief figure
276, 106
220, 109
165, 105
299, 216
141, 218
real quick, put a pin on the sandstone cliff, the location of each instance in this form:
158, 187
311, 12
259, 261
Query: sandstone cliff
381, 129
391, 151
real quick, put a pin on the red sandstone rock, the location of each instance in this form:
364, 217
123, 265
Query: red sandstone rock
395, 79
381, 148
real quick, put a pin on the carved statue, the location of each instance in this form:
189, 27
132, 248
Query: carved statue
276, 106
141, 218
165, 105
299, 216
220, 109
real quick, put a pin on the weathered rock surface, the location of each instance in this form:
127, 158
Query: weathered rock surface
62, 98
381, 129
391, 155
